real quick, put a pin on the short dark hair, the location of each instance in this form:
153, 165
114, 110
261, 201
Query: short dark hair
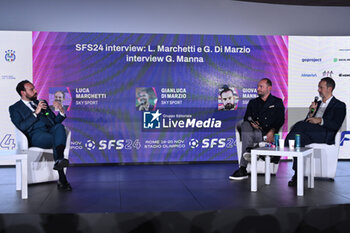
268, 81
225, 88
20, 86
64, 95
329, 82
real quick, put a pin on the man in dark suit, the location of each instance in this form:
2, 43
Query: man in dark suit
264, 117
322, 122
41, 126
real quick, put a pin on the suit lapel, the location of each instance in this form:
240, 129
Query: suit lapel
24, 108
330, 106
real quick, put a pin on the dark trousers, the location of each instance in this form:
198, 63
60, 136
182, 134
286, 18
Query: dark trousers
54, 137
309, 133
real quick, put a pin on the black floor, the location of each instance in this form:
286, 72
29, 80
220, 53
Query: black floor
159, 188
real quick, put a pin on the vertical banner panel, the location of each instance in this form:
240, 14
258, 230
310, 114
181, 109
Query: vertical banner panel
310, 59
15, 65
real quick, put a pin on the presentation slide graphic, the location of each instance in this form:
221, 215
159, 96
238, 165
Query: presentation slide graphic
155, 97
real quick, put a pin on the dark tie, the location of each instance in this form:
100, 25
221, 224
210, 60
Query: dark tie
33, 105
47, 119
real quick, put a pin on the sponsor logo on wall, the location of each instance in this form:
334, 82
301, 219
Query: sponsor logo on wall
345, 137
344, 75
341, 59
7, 142
312, 60
308, 75
10, 55
7, 77
327, 73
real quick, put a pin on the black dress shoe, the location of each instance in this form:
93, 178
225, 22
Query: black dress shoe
293, 181
64, 187
60, 164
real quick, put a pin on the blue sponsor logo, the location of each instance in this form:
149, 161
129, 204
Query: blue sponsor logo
7, 77
310, 75
7, 142
311, 60
344, 138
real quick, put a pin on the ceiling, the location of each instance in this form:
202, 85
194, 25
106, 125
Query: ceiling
304, 2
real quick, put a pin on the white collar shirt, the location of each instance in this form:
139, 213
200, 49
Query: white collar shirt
323, 107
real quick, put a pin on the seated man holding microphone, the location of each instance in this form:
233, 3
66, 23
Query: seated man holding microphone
41, 126
322, 123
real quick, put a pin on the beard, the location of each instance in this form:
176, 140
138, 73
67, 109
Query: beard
32, 98
229, 106
261, 95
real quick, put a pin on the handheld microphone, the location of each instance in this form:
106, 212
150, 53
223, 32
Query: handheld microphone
250, 119
315, 101
45, 112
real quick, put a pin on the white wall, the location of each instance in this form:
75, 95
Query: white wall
176, 16
10, 74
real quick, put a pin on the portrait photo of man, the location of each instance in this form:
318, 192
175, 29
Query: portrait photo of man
228, 98
146, 99
60, 95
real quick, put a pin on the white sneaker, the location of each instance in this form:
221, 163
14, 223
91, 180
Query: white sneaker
263, 144
247, 156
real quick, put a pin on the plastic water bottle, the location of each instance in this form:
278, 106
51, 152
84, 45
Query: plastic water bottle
297, 140
277, 137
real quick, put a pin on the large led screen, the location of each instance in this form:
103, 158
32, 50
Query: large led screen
155, 97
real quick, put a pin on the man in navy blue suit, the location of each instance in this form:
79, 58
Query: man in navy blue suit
41, 126
322, 122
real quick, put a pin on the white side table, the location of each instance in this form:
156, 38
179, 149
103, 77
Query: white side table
21, 171
300, 153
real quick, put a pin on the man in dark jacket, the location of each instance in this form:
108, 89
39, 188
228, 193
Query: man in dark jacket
41, 126
322, 122
264, 117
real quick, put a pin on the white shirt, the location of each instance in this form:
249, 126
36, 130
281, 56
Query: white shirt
27, 103
322, 109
